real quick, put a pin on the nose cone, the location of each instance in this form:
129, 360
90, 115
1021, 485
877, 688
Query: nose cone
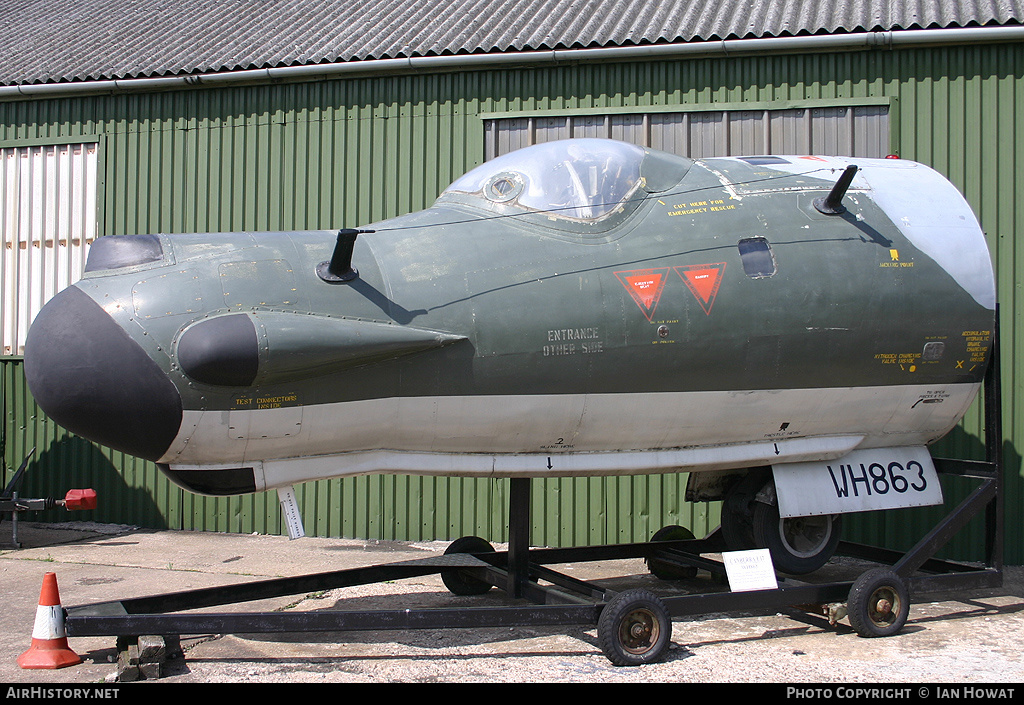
90, 377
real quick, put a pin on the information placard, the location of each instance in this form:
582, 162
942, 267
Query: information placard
290, 512
750, 570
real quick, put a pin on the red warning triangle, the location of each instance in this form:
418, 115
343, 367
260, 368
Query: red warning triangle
645, 286
703, 280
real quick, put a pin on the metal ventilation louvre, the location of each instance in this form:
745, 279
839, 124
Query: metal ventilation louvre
862, 131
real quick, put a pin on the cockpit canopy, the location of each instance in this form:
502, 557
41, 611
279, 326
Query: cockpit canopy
577, 179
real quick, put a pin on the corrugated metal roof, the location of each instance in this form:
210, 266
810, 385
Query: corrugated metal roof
75, 40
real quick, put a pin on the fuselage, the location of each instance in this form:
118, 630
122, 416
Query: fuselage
713, 318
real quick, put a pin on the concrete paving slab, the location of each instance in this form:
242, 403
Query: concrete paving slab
968, 637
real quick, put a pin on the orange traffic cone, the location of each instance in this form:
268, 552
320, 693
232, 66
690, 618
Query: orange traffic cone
49, 642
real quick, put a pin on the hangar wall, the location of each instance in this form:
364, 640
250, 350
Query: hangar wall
345, 152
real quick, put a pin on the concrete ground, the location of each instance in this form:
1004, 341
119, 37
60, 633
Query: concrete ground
974, 637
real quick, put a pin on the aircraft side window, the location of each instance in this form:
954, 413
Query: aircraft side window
757, 258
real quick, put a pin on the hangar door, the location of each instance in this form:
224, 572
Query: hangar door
47, 220
833, 130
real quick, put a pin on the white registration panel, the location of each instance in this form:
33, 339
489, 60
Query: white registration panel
863, 480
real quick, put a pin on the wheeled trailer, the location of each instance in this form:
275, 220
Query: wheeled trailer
634, 626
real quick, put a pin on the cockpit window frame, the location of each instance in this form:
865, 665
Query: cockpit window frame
483, 186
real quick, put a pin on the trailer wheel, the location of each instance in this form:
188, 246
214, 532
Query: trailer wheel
798, 545
457, 581
879, 603
664, 570
634, 628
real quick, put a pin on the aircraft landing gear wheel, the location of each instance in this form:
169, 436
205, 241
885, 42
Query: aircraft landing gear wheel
737, 508
879, 603
737, 530
798, 545
670, 571
457, 581
634, 628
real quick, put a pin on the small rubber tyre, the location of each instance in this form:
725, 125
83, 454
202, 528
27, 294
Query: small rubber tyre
879, 603
664, 570
459, 582
798, 545
634, 628
737, 509
737, 529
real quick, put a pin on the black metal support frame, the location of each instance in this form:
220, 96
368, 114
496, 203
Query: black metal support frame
553, 598
10, 502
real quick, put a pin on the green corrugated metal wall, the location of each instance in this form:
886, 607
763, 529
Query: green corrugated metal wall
350, 151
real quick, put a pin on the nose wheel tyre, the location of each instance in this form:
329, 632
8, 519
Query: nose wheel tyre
737, 529
634, 628
798, 545
459, 582
879, 603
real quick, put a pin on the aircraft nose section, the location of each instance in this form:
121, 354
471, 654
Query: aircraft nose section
90, 377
